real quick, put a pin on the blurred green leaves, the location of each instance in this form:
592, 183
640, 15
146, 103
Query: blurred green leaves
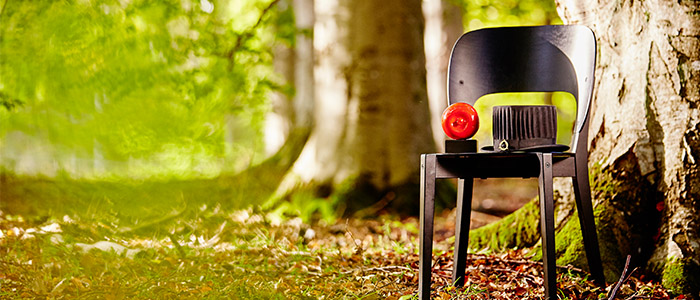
140, 88
8, 102
489, 13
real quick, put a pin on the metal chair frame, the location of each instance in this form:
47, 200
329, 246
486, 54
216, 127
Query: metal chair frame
516, 59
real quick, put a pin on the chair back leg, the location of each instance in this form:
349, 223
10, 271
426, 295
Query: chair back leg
582, 192
427, 213
546, 192
464, 208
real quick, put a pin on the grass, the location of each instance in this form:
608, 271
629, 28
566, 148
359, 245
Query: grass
241, 258
185, 240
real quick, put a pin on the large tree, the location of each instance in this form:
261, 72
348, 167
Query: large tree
371, 108
644, 141
645, 127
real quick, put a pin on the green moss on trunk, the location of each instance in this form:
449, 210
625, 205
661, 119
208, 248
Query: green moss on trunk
570, 249
517, 230
569, 245
681, 276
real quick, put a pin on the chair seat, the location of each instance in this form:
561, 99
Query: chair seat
500, 165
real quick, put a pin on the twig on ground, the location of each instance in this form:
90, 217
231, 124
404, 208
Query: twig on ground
632, 296
177, 245
382, 269
13, 263
623, 278
217, 236
376, 207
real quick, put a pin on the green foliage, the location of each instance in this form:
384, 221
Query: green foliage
490, 13
135, 88
9, 102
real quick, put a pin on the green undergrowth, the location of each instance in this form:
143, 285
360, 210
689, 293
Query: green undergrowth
159, 240
216, 255
130, 204
240, 254
354, 197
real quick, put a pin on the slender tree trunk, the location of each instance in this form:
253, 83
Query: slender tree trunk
290, 119
645, 130
371, 107
279, 120
443, 26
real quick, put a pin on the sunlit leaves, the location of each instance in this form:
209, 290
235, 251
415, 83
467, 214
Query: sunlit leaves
489, 13
131, 82
8, 101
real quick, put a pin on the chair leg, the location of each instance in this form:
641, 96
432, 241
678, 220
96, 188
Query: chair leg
427, 211
464, 208
582, 191
547, 225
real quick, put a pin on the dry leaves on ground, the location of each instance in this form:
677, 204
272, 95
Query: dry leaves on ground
241, 255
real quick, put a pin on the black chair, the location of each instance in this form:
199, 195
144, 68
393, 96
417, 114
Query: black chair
516, 59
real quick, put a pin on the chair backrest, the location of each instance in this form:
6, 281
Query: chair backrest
525, 59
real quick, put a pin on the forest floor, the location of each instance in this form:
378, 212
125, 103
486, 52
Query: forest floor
202, 250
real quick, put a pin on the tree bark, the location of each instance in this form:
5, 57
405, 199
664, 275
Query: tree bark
645, 130
371, 107
443, 26
644, 141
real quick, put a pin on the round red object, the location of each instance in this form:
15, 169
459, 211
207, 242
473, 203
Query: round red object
460, 121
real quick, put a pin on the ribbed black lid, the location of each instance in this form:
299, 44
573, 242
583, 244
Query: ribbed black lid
525, 127
525, 122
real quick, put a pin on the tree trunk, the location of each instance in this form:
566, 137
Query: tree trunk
644, 140
645, 127
290, 118
443, 26
371, 107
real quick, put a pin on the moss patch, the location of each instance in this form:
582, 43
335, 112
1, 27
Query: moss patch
569, 245
613, 240
570, 249
681, 276
517, 230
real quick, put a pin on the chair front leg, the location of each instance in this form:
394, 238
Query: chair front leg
547, 225
427, 212
464, 208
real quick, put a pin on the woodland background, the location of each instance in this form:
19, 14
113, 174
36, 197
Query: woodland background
230, 148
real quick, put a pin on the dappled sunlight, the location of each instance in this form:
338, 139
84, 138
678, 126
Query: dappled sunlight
271, 149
